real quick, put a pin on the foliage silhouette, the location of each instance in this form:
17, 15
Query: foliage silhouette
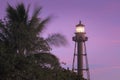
24, 53
23, 33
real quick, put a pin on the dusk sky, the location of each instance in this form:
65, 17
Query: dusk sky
102, 23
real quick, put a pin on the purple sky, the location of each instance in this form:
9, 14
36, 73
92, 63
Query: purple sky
102, 21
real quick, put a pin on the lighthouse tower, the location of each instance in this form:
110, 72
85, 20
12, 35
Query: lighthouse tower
80, 60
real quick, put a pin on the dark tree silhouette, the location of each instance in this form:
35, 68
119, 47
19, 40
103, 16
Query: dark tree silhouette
24, 53
22, 32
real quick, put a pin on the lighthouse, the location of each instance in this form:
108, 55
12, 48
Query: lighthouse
80, 53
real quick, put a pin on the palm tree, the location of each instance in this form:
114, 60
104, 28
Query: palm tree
20, 33
23, 32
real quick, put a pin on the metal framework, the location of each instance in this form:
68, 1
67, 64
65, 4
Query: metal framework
82, 61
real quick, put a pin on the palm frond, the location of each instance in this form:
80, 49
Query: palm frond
11, 14
57, 40
21, 13
17, 14
34, 18
42, 25
36, 23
